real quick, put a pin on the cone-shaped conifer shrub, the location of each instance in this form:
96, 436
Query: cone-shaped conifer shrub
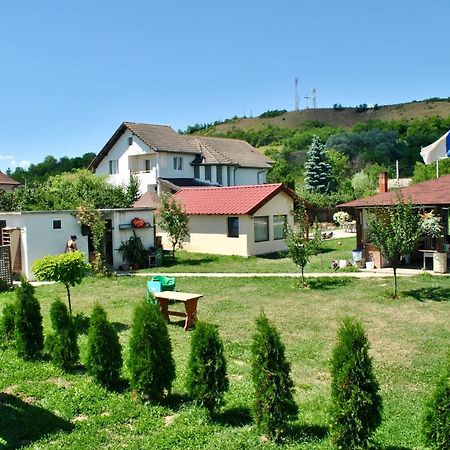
274, 404
355, 401
150, 362
62, 344
436, 423
104, 353
7, 322
207, 379
28, 323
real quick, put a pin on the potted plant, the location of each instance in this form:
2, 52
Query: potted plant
133, 251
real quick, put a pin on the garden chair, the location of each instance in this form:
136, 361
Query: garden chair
152, 286
167, 283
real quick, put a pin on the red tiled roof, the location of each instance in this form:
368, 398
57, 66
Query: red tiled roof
4, 179
427, 193
229, 200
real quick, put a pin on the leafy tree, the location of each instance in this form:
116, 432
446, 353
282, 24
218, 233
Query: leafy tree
67, 268
7, 322
132, 189
104, 357
436, 420
395, 230
150, 362
207, 379
174, 220
355, 400
62, 343
363, 185
274, 404
300, 247
28, 323
317, 169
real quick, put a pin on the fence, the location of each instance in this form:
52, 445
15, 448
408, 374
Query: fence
5, 264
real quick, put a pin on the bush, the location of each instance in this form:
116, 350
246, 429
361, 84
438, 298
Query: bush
274, 403
151, 366
7, 322
62, 343
28, 324
207, 379
104, 353
4, 285
436, 421
355, 401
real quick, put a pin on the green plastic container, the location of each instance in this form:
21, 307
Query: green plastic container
167, 283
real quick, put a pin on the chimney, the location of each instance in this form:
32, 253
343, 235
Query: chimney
382, 182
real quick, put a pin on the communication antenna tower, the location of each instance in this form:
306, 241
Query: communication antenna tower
314, 98
296, 95
306, 97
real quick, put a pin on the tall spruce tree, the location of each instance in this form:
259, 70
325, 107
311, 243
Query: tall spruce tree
28, 323
274, 404
104, 354
318, 173
207, 379
150, 362
355, 400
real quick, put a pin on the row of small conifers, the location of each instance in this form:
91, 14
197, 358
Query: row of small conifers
356, 404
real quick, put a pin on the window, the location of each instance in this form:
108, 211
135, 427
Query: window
233, 226
177, 163
196, 171
219, 174
57, 224
279, 227
229, 176
208, 173
261, 226
150, 164
130, 140
113, 166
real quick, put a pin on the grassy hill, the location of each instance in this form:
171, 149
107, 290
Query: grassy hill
345, 118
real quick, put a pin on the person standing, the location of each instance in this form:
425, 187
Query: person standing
71, 245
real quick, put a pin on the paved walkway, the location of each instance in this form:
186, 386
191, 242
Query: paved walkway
363, 273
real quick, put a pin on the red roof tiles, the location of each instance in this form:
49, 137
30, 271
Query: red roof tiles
228, 200
427, 193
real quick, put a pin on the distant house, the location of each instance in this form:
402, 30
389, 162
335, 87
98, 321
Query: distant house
429, 195
7, 183
34, 234
240, 220
165, 161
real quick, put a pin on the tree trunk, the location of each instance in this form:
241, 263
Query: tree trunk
68, 298
303, 277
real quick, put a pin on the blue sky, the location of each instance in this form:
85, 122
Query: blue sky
71, 72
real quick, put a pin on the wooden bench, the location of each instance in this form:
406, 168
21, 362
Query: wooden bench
190, 306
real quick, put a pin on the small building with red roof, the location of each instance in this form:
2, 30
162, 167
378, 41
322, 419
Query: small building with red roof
237, 220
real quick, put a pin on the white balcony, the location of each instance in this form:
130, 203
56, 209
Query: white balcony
146, 178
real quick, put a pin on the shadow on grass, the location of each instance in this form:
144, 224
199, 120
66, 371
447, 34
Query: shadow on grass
235, 417
274, 255
119, 326
307, 433
176, 401
328, 283
22, 422
169, 262
435, 294
395, 447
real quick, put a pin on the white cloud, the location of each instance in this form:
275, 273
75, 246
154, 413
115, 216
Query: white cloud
23, 163
6, 157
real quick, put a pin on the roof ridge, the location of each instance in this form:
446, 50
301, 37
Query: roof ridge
148, 124
213, 150
243, 186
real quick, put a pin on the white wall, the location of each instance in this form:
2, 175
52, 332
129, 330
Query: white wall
166, 169
40, 239
281, 204
246, 176
124, 217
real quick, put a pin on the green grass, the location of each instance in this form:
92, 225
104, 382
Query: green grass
42, 407
187, 262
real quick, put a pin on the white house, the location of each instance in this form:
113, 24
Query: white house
165, 161
34, 234
239, 220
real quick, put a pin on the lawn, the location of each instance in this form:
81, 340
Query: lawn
187, 262
42, 407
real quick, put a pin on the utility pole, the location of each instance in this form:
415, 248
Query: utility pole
296, 94
306, 97
314, 98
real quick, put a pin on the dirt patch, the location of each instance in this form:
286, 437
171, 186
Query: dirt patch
60, 382
80, 418
168, 420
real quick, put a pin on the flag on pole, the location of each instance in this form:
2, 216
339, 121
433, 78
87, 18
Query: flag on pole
437, 150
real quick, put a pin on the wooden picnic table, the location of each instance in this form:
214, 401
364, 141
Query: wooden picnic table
190, 305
